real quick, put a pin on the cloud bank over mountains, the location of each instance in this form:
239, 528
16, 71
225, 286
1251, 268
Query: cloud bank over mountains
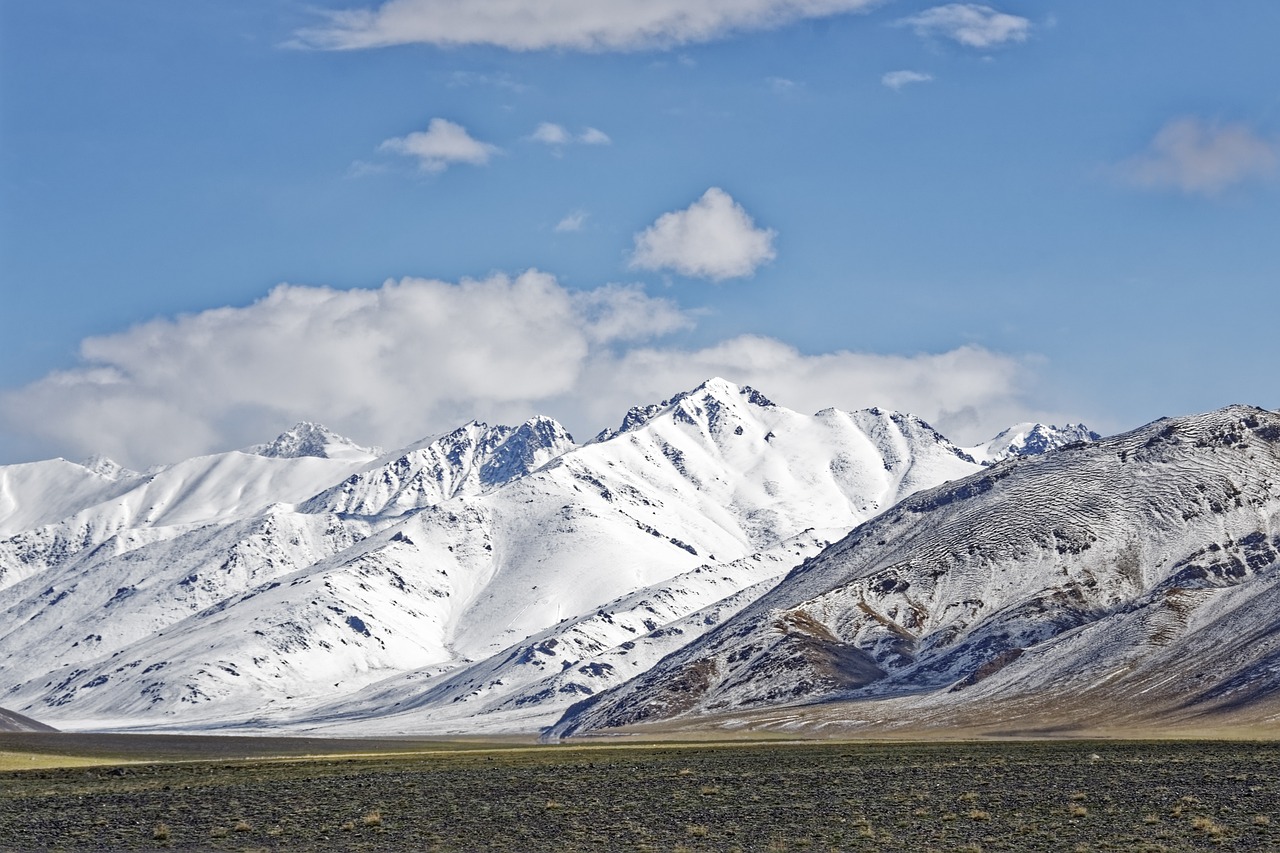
416, 356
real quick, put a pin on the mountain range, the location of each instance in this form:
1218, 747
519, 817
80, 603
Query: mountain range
714, 555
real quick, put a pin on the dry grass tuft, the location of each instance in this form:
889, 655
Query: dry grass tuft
979, 814
373, 818
348, 826
160, 832
554, 804
697, 831
242, 826
219, 832
1208, 826
1077, 810
709, 790
1261, 820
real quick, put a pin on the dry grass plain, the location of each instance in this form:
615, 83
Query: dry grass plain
266, 794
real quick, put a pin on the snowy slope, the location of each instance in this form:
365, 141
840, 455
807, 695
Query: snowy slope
1141, 565
34, 494
471, 460
528, 685
245, 586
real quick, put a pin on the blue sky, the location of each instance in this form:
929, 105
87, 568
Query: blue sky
1062, 210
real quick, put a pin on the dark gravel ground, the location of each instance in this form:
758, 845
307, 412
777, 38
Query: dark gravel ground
1050, 796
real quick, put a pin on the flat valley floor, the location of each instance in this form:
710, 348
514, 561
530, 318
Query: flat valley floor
139, 793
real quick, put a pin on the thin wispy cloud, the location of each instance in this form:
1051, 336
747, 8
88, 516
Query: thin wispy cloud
1203, 158
417, 356
572, 222
462, 79
713, 238
897, 79
969, 24
780, 85
550, 133
586, 25
441, 145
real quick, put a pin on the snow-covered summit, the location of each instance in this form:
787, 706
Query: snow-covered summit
1030, 439
310, 439
713, 394
108, 468
470, 460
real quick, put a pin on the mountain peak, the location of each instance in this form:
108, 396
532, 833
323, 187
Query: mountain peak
311, 439
721, 390
108, 468
1030, 439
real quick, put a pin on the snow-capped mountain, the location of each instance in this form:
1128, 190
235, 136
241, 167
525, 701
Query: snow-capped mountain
1055, 587
487, 577
1030, 439
308, 439
471, 460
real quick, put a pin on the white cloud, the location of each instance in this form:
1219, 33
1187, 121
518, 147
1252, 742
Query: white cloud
897, 79
550, 133
589, 25
1201, 158
712, 238
780, 85
970, 24
386, 364
415, 357
572, 221
441, 145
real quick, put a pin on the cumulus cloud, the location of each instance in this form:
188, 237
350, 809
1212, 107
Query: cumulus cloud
970, 24
442, 144
572, 222
712, 238
586, 25
416, 357
1202, 158
897, 79
414, 354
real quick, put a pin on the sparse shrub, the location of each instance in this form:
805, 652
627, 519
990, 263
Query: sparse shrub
948, 816
242, 826
219, 832
373, 818
685, 771
697, 831
160, 832
1079, 795
348, 826
979, 814
1208, 826
1151, 818
1078, 810
1261, 820
709, 790
968, 797
553, 804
